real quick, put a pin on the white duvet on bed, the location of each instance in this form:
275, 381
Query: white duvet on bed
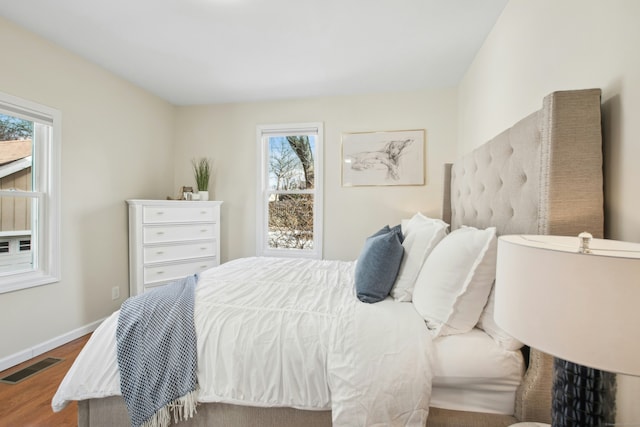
289, 332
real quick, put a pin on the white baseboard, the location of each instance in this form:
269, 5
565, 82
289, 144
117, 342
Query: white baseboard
37, 350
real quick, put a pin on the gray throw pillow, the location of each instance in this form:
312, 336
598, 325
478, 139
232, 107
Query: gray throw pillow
378, 264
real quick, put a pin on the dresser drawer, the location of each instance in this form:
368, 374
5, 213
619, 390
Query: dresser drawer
165, 214
177, 233
177, 252
166, 272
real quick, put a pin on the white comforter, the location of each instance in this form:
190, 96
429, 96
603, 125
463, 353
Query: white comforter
289, 332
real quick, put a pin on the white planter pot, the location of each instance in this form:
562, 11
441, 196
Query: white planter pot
204, 195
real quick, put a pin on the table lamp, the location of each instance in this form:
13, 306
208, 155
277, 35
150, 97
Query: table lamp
577, 299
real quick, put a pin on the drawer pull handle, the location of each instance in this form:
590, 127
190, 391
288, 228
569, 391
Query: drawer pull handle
160, 272
203, 249
203, 230
160, 233
160, 213
203, 212
159, 252
203, 266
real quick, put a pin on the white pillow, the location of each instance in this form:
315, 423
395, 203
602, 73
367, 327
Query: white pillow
454, 283
488, 324
421, 235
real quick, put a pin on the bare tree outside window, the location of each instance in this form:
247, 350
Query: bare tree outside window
290, 211
302, 148
284, 171
14, 128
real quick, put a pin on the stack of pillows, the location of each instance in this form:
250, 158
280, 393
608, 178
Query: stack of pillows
448, 277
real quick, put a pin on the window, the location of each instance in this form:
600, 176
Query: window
289, 216
29, 194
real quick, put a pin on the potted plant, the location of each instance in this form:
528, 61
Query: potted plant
202, 173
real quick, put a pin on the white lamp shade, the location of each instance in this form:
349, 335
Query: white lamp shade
580, 307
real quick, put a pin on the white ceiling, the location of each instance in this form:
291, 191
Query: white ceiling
218, 51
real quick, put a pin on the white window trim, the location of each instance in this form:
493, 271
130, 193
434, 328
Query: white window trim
47, 177
262, 214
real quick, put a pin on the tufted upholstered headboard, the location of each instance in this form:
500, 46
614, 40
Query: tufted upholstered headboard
541, 176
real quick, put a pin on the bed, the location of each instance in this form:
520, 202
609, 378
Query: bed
542, 176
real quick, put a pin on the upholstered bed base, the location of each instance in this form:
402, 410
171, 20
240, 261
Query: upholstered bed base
111, 412
542, 176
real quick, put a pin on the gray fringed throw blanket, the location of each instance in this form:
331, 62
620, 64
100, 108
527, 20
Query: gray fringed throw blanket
157, 354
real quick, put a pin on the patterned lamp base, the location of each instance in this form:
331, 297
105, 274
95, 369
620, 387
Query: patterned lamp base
582, 397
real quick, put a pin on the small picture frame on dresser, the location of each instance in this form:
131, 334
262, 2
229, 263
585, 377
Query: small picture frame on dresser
187, 193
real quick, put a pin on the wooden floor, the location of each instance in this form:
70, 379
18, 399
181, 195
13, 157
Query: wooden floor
28, 403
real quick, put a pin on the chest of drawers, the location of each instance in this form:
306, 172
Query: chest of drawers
171, 239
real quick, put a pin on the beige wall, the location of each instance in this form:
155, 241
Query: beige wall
227, 133
539, 46
116, 144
